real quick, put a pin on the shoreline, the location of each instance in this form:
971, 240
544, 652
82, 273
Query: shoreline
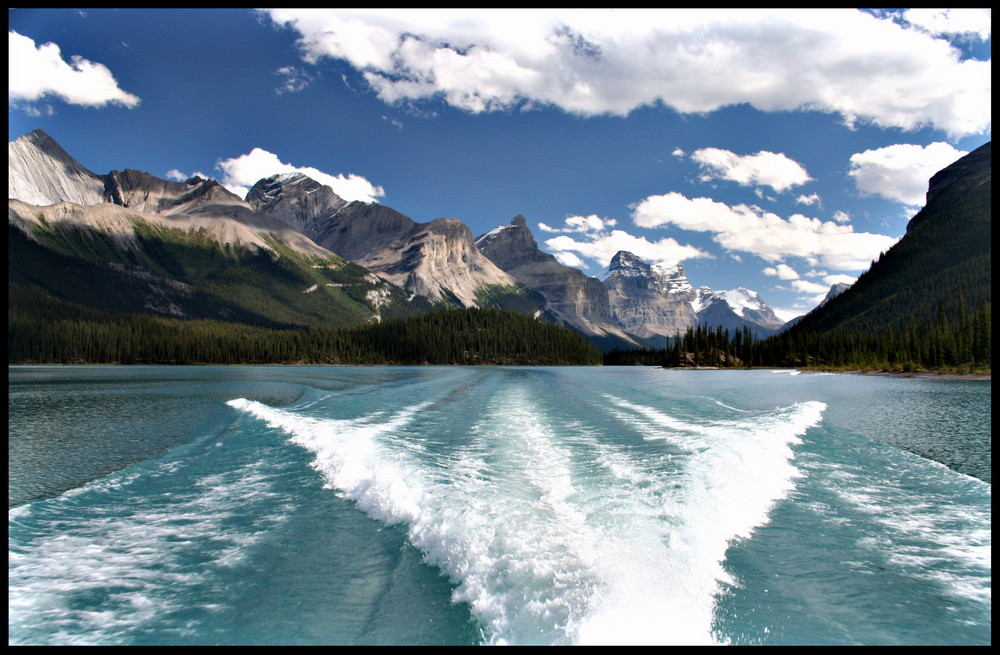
987, 377
933, 375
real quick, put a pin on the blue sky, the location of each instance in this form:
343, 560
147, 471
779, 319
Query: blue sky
780, 152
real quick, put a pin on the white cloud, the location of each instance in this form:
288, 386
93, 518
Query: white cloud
805, 286
295, 79
40, 72
601, 247
181, 176
787, 314
975, 22
241, 173
595, 241
841, 216
583, 224
38, 112
742, 228
814, 293
394, 122
569, 259
762, 169
811, 199
782, 271
867, 68
901, 172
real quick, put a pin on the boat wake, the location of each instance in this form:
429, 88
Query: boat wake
563, 530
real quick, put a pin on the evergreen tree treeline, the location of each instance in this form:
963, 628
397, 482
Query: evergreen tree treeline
73, 335
50, 331
956, 341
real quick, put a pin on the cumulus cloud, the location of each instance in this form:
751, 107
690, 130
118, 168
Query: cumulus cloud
866, 67
782, 271
37, 72
901, 172
584, 224
241, 173
811, 199
602, 247
805, 286
743, 228
786, 314
594, 241
569, 259
762, 169
813, 293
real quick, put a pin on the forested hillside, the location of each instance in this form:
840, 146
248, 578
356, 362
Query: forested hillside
944, 259
53, 331
926, 303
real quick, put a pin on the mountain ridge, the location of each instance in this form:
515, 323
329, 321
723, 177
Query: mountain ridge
944, 255
575, 299
437, 259
438, 262
192, 250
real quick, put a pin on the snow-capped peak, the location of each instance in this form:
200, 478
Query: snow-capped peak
492, 233
741, 300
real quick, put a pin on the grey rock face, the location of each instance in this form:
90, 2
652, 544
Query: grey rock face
295, 198
659, 301
574, 298
649, 301
41, 173
436, 259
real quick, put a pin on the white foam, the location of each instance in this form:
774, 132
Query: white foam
554, 534
136, 560
927, 534
734, 473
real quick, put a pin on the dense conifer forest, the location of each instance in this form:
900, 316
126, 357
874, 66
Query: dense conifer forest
56, 332
960, 343
44, 330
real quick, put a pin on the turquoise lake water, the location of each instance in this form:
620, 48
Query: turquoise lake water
476, 505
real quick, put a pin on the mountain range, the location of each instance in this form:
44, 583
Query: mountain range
294, 253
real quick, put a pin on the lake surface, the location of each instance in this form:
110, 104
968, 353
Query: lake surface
467, 505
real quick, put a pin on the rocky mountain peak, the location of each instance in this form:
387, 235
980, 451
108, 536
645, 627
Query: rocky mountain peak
968, 172
967, 175
659, 300
295, 198
511, 245
41, 173
667, 278
572, 297
626, 263
835, 290
147, 193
